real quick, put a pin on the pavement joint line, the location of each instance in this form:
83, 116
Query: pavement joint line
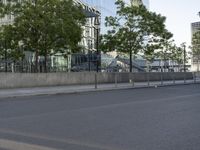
13, 145
89, 90
56, 139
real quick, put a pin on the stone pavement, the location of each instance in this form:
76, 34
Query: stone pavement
71, 89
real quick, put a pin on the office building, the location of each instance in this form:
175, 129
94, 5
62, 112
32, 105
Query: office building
195, 26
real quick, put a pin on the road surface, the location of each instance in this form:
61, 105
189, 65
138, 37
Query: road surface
166, 118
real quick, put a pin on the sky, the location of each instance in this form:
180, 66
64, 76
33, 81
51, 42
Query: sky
180, 14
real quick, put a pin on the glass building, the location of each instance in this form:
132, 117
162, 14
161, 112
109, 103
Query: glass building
108, 8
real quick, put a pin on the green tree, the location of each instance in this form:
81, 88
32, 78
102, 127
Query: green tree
47, 26
9, 49
164, 53
154, 46
130, 28
179, 55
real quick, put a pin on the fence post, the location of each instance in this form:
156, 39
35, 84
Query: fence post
133, 80
184, 77
161, 75
116, 80
95, 78
174, 76
148, 82
194, 77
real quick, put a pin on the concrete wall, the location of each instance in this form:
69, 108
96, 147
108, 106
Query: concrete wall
20, 80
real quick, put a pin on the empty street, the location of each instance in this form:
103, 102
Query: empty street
165, 118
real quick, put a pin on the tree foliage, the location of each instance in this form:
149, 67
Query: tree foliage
47, 26
8, 46
134, 29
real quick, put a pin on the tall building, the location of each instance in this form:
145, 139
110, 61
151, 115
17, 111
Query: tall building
195, 26
108, 7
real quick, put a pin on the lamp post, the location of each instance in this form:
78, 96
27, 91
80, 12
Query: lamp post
97, 24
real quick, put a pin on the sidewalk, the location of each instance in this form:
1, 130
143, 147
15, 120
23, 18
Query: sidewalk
35, 91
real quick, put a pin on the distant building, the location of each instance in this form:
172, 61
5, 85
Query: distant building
194, 28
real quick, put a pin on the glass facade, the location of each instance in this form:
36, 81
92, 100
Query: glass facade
107, 8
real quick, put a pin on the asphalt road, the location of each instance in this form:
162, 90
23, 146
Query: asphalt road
166, 118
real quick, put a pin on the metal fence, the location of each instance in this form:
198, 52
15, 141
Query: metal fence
147, 80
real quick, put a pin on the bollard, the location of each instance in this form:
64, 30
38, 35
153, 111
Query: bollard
95, 80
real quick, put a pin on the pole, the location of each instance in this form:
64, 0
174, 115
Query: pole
161, 78
6, 59
98, 55
174, 78
95, 78
131, 62
115, 80
184, 64
184, 57
133, 80
148, 80
88, 55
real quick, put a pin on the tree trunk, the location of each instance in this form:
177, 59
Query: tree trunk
131, 62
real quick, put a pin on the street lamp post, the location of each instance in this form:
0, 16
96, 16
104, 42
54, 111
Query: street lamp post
97, 24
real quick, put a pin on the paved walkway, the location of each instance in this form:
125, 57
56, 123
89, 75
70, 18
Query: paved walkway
6, 93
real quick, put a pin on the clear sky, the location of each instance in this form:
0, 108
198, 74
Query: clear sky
180, 14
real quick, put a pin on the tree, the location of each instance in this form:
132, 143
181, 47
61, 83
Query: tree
9, 49
196, 48
130, 28
164, 53
47, 26
154, 47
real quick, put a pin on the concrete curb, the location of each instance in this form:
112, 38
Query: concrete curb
89, 90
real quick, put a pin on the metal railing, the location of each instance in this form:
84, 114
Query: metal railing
146, 80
